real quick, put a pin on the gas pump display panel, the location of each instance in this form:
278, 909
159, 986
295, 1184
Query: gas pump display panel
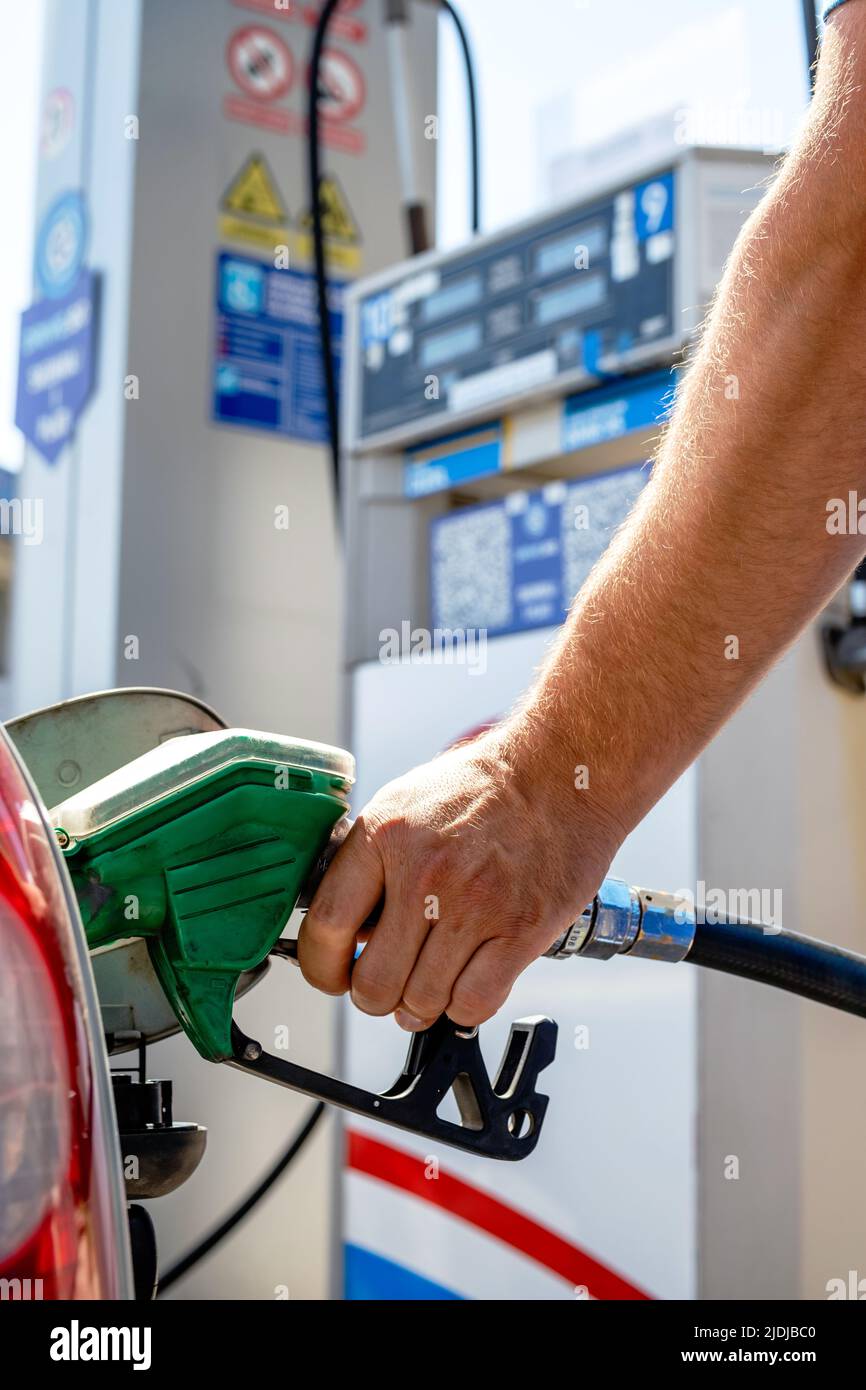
580, 295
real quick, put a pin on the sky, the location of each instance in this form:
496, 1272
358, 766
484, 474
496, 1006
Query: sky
553, 75
599, 67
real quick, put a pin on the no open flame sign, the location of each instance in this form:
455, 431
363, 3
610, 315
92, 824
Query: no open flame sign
260, 62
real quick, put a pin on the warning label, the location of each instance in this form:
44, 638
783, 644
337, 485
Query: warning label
262, 66
254, 193
338, 221
252, 208
342, 234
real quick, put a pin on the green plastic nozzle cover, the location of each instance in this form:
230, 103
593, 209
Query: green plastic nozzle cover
202, 847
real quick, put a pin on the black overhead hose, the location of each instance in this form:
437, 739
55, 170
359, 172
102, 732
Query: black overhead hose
314, 164
472, 97
314, 155
795, 963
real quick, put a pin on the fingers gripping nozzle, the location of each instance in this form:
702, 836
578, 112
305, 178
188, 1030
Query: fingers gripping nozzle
499, 1118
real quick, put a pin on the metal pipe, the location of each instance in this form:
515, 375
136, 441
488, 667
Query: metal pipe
407, 123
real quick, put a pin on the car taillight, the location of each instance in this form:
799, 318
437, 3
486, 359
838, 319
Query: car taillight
63, 1230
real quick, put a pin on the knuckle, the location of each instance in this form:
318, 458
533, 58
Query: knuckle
437, 865
487, 885
324, 917
373, 993
511, 927
470, 1005
381, 829
388, 827
424, 1002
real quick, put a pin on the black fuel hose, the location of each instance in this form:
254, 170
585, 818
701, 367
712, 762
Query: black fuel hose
799, 964
243, 1209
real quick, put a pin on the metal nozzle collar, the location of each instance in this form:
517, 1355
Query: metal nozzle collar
630, 921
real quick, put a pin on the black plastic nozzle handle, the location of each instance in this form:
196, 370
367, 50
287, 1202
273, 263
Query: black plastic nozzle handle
498, 1119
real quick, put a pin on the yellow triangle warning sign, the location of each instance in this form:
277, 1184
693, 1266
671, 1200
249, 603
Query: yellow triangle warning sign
338, 221
253, 192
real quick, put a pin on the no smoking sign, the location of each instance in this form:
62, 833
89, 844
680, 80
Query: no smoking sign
342, 92
263, 69
260, 62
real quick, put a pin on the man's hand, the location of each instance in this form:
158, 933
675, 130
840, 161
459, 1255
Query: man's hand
483, 858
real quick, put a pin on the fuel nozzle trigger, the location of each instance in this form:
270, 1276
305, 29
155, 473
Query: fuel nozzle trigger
500, 1119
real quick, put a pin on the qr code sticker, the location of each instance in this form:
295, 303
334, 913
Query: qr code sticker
471, 570
593, 509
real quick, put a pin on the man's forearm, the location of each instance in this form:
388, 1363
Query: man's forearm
728, 553
484, 856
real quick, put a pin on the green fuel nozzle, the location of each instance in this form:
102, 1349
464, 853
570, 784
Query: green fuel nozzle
203, 847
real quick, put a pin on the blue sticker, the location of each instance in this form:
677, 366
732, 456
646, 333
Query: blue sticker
654, 207
536, 563
55, 366
61, 243
267, 361
456, 458
377, 319
594, 417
